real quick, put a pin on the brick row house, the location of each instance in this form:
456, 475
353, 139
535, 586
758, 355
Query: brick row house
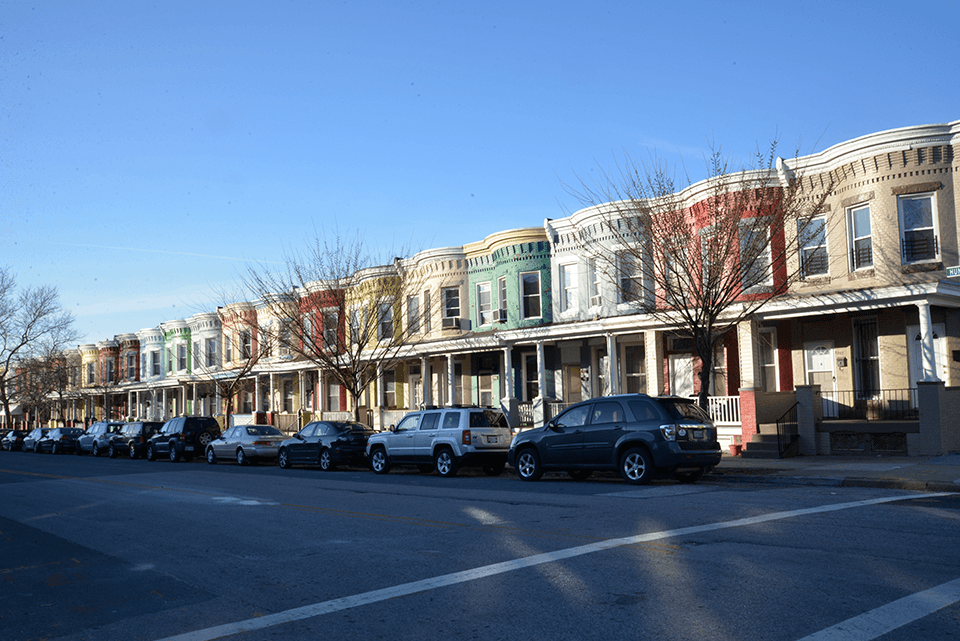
864, 349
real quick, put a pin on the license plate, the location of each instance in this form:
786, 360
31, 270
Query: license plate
491, 439
189, 448
698, 434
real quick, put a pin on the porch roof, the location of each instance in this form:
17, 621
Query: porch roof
939, 294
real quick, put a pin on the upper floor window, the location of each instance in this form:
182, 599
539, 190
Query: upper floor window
413, 314
108, 373
228, 348
155, 363
169, 360
131, 366
812, 236
593, 282
211, 351
426, 310
502, 297
451, 302
861, 239
331, 324
627, 272
91, 373
530, 289
385, 326
246, 344
918, 226
181, 357
568, 284
755, 257
484, 304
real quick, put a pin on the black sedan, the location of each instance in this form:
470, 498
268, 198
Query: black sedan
59, 440
327, 444
12, 440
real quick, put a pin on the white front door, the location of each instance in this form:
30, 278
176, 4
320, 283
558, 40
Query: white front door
821, 370
914, 353
681, 374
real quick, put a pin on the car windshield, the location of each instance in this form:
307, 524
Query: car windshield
684, 410
72, 431
131, 430
263, 430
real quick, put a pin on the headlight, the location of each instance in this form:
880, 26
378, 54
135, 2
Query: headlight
669, 432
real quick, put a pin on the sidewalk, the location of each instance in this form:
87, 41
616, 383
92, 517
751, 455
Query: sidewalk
916, 473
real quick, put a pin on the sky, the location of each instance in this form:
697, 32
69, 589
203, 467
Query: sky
150, 151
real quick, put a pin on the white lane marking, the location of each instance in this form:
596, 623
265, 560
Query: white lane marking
406, 589
878, 622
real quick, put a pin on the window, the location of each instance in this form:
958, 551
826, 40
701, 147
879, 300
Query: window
169, 360
211, 352
333, 396
484, 304
131, 366
385, 326
426, 310
568, 285
288, 396
768, 359
246, 344
196, 350
593, 278
155, 363
331, 323
390, 388
755, 258
635, 375
358, 326
918, 226
181, 357
451, 302
502, 297
530, 288
531, 377
228, 348
812, 236
413, 314
108, 372
861, 242
627, 273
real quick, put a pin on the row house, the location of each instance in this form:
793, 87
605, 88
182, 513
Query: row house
527, 320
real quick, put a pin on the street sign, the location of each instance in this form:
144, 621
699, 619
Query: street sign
953, 272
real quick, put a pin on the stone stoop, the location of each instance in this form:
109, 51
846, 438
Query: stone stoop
764, 444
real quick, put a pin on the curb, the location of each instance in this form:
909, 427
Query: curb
771, 477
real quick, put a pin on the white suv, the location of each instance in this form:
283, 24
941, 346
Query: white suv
444, 439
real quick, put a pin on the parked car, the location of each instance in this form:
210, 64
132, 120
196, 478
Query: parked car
246, 444
59, 440
32, 439
183, 437
88, 440
12, 440
131, 439
638, 435
444, 439
327, 444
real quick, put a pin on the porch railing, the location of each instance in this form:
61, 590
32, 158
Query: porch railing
879, 405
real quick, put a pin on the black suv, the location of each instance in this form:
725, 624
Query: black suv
132, 438
635, 434
183, 437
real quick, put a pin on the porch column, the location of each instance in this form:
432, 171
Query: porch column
257, 405
613, 364
273, 392
928, 362
320, 397
426, 380
748, 341
381, 388
653, 357
451, 381
163, 416
508, 402
193, 408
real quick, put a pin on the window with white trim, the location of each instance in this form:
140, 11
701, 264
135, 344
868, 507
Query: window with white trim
413, 314
385, 329
568, 285
812, 237
484, 304
861, 237
755, 257
530, 291
593, 281
918, 228
451, 302
502, 297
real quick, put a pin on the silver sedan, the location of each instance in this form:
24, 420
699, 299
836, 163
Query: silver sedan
246, 444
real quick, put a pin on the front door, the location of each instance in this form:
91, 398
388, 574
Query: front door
681, 374
914, 352
820, 366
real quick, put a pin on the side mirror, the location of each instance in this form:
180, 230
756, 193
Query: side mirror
392, 428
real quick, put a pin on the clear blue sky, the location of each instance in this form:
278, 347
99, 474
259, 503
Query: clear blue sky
149, 149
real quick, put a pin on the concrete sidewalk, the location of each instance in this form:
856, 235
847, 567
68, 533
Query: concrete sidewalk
916, 473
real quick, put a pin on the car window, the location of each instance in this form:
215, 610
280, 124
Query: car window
479, 419
430, 421
607, 412
574, 417
408, 423
685, 410
644, 411
451, 421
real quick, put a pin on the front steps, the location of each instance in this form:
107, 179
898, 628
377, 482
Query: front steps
764, 444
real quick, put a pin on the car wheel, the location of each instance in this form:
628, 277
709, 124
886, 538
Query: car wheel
174, 454
112, 450
528, 465
241, 457
580, 475
494, 470
211, 456
204, 438
133, 451
690, 476
446, 463
636, 467
325, 460
151, 453
96, 450
283, 459
379, 461
36, 448
77, 448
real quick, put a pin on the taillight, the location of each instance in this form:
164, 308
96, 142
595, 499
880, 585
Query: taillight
669, 432
466, 437
261, 442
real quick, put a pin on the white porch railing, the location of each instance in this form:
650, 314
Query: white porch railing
724, 410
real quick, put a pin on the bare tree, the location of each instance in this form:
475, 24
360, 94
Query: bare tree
32, 324
704, 257
336, 306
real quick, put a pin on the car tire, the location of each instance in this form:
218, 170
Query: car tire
636, 466
112, 450
173, 453
211, 456
96, 450
325, 460
242, 457
528, 465
132, 451
151, 453
445, 462
495, 469
379, 462
204, 438
36, 448
691, 476
580, 475
283, 459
